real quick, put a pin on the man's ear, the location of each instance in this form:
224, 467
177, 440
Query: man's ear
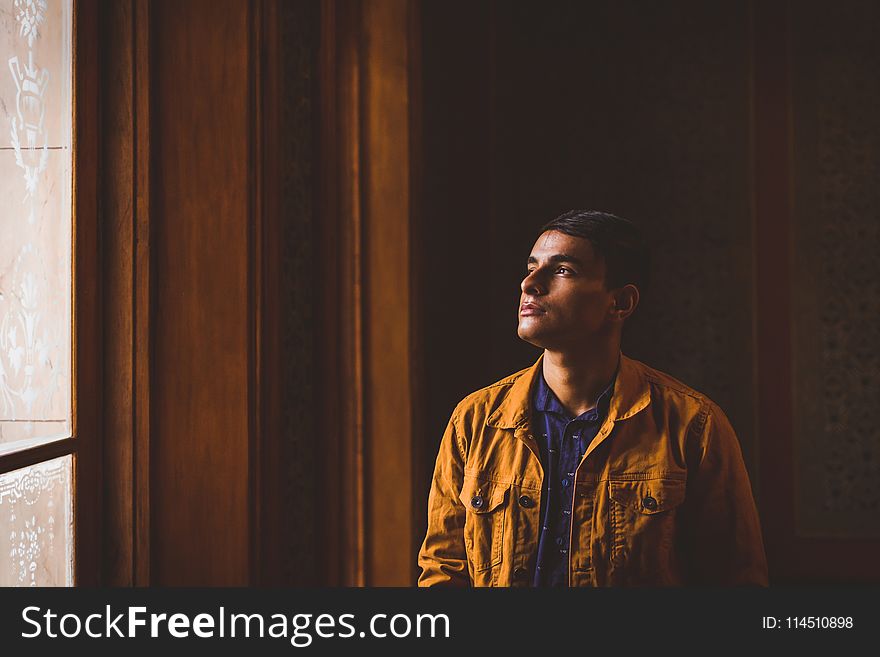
625, 301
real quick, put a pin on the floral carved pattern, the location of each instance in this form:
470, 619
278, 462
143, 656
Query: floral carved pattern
31, 499
34, 288
30, 14
24, 342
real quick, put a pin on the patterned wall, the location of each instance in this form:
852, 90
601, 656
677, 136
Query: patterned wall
836, 57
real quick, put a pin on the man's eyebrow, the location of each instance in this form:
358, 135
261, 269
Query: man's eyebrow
558, 257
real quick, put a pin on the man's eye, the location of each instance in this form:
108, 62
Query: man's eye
563, 269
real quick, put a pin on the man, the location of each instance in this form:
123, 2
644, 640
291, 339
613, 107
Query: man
589, 468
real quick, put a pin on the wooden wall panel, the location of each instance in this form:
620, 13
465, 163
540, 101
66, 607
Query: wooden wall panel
341, 270
142, 296
290, 548
200, 209
117, 186
219, 304
368, 345
207, 183
87, 312
126, 262
388, 301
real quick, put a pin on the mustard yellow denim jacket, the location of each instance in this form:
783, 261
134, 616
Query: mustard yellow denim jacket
661, 496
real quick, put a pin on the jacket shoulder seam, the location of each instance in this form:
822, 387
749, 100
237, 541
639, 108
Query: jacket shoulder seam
674, 385
506, 382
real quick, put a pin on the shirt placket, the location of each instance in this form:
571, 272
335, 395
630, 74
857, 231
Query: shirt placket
579, 441
566, 440
550, 492
568, 457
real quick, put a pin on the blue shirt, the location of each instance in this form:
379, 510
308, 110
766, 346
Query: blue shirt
562, 441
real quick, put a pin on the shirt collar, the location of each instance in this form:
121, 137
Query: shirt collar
546, 401
631, 394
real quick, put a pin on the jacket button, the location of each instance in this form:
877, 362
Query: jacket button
477, 502
520, 572
526, 502
649, 503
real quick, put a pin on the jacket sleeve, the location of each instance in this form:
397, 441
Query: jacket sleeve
723, 531
443, 558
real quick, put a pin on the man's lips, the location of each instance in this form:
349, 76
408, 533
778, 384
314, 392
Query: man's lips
530, 309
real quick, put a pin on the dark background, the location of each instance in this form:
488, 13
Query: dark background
638, 108
743, 138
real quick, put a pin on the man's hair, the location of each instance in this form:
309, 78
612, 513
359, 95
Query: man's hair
617, 241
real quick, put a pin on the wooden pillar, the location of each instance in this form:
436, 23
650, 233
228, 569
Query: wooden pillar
179, 220
368, 138
388, 312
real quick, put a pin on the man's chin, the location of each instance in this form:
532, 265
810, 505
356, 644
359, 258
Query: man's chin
532, 337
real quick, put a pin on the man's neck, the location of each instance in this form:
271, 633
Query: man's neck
579, 379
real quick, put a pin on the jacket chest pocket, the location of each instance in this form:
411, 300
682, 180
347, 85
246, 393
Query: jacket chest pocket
486, 504
643, 519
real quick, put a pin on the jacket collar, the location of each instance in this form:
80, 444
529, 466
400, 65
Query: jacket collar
631, 395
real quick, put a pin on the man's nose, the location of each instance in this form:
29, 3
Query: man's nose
532, 284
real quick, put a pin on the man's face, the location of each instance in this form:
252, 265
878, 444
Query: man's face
564, 301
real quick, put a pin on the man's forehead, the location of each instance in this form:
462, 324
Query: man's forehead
555, 243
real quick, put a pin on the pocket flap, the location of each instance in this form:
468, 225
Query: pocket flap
482, 496
648, 496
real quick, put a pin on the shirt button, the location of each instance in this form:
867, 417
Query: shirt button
526, 502
559, 542
649, 503
566, 483
477, 502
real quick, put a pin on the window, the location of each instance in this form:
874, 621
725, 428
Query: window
39, 446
